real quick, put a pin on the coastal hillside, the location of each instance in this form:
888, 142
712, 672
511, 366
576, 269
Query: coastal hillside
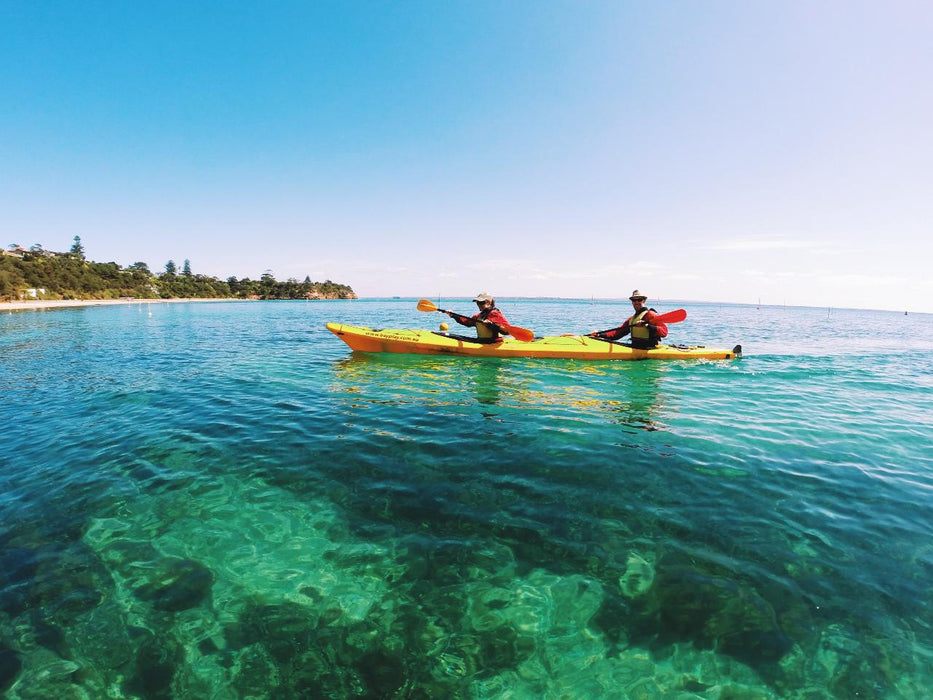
36, 273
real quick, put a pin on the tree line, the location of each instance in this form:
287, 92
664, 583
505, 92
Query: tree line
44, 274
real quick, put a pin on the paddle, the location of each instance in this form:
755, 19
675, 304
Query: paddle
522, 334
672, 316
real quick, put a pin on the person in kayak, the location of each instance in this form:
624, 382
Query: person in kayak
489, 321
644, 325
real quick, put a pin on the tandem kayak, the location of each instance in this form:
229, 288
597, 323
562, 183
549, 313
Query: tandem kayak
572, 347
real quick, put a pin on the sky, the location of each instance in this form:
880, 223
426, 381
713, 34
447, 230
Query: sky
773, 152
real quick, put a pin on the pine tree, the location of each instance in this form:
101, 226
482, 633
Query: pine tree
77, 250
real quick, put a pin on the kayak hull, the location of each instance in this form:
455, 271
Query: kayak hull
570, 347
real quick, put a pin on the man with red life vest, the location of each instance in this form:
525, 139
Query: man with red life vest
644, 325
489, 321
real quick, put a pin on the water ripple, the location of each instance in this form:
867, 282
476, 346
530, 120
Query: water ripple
224, 499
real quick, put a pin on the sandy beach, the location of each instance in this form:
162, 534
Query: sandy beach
45, 305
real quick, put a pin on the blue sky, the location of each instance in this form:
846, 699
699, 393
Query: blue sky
716, 151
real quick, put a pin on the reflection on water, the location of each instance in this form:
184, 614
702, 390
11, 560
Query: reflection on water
487, 380
630, 394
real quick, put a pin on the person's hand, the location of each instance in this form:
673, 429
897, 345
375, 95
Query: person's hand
449, 312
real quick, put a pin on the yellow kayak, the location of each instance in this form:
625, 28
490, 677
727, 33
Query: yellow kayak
572, 347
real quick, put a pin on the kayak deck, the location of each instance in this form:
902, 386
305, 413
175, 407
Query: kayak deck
574, 347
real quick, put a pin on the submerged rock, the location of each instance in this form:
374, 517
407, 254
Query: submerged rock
154, 667
49, 635
179, 584
10, 666
68, 583
17, 569
685, 603
255, 673
285, 647
17, 565
103, 638
284, 629
638, 576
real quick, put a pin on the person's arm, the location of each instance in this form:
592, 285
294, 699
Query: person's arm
613, 333
460, 318
656, 325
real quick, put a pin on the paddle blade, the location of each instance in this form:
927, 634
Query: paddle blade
673, 316
425, 305
522, 334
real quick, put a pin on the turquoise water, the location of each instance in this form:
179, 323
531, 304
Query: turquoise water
221, 500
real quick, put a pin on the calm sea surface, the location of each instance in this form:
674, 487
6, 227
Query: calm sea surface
223, 501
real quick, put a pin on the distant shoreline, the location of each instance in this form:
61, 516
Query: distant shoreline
48, 304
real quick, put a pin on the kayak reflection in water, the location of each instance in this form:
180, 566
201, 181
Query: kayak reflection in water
644, 325
489, 321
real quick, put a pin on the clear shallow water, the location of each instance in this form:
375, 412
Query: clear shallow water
221, 500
